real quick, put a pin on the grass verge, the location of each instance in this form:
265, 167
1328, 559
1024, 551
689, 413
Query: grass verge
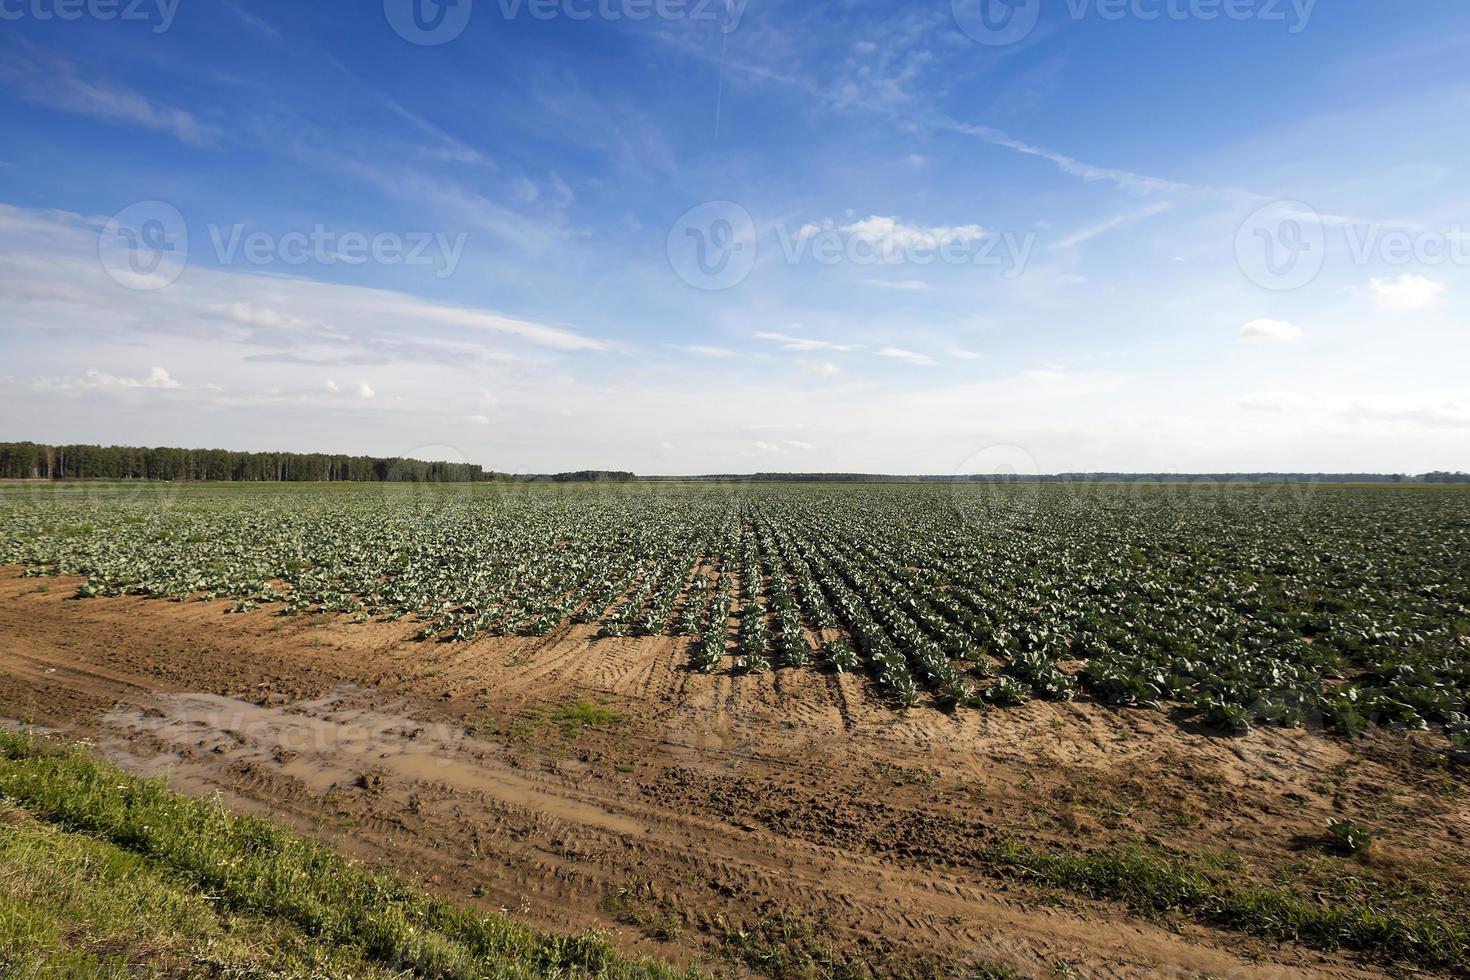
135, 876
105, 874
1389, 926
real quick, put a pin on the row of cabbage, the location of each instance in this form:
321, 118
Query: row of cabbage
1341, 607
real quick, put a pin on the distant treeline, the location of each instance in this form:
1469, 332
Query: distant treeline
1436, 477
34, 461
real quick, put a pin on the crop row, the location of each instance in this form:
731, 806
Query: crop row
1350, 607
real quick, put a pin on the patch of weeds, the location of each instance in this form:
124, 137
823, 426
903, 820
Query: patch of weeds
523, 729
637, 904
1349, 836
785, 946
1410, 929
902, 775
1331, 782
585, 714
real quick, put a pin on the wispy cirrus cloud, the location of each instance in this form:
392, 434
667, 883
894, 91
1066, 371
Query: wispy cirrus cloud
1102, 228
905, 285
793, 342
900, 354
55, 83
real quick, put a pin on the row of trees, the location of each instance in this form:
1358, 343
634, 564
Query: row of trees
30, 461
36, 461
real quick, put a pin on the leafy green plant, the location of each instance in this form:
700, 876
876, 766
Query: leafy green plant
1349, 836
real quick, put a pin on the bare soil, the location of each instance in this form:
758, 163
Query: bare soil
583, 782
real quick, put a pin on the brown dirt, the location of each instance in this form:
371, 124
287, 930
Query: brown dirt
712, 800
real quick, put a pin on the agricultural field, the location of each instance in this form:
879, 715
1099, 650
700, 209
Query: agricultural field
1092, 728
1243, 605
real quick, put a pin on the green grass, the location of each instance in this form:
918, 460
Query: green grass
585, 714
787, 946
105, 874
76, 906
134, 876
1420, 928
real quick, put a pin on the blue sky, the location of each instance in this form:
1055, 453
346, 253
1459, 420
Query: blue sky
1140, 235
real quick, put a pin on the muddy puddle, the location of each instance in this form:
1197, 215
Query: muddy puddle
326, 745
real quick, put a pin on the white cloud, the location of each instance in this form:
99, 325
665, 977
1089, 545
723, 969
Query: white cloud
1424, 411
365, 390
527, 330
54, 83
821, 369
332, 386
157, 379
704, 350
791, 342
914, 285
1046, 376
964, 355
1406, 294
260, 316
478, 419
766, 448
1270, 331
899, 354
891, 234
1087, 234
